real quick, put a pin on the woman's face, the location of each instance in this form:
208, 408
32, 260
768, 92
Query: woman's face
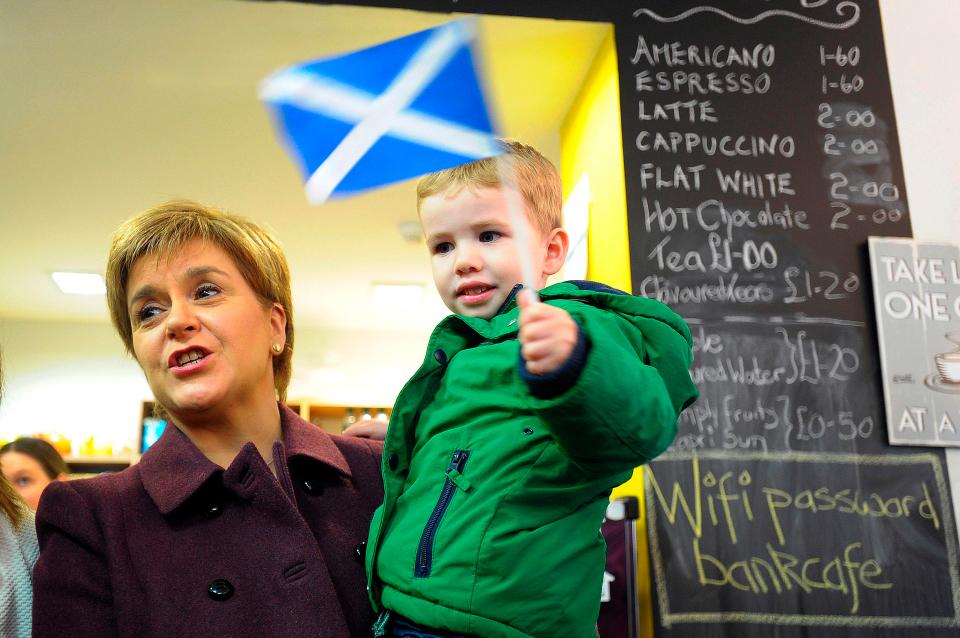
201, 335
26, 475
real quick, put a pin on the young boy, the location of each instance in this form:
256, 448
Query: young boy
504, 446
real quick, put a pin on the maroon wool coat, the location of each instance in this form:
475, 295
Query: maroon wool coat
177, 546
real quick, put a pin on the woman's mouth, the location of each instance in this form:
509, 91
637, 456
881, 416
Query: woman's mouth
187, 361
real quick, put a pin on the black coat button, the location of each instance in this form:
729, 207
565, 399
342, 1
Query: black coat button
360, 552
214, 510
440, 356
312, 486
220, 590
528, 431
393, 461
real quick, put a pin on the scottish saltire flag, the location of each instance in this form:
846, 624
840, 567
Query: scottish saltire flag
384, 114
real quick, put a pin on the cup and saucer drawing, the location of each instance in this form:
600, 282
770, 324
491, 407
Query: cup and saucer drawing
934, 382
947, 377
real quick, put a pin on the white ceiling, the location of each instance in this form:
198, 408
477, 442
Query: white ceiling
107, 108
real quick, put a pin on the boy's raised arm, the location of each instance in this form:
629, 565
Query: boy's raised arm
620, 408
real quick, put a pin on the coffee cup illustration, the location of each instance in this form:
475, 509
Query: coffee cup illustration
948, 363
948, 367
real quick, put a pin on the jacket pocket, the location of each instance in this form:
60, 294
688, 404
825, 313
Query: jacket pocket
454, 480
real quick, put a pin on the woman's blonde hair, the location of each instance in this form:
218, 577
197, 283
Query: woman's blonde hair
11, 505
161, 230
536, 176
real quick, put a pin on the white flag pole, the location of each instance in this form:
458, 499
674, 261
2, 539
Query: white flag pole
507, 170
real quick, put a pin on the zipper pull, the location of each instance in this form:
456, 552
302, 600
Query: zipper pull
458, 461
380, 626
459, 480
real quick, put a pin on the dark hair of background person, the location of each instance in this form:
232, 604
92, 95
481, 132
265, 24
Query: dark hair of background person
42, 452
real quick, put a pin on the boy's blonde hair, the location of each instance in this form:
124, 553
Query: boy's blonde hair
537, 180
160, 231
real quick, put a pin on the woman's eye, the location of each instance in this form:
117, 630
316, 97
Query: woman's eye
443, 248
23, 481
147, 313
207, 290
489, 236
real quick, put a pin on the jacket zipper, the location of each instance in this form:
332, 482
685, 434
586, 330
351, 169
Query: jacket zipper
425, 549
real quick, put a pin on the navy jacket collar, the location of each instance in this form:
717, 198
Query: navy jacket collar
507, 303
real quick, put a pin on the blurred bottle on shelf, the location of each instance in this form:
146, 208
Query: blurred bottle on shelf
382, 415
349, 419
86, 448
365, 414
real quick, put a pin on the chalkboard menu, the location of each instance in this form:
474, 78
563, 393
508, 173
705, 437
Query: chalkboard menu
760, 151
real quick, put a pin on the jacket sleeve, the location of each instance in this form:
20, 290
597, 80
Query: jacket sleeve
622, 410
72, 593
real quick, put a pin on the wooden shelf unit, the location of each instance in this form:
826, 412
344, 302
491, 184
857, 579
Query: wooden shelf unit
331, 418
85, 465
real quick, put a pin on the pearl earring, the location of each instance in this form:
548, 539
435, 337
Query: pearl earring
277, 348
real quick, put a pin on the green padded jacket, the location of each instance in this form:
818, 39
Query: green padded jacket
495, 486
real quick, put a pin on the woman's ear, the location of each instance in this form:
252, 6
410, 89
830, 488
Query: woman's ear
278, 324
558, 242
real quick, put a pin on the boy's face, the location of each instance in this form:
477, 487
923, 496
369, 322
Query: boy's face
473, 249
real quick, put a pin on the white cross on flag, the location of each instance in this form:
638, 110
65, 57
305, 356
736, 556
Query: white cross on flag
383, 114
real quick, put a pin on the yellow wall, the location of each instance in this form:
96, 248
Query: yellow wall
590, 142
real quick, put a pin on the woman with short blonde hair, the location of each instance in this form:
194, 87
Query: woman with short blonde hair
162, 230
242, 519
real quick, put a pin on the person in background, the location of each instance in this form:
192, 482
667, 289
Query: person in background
18, 553
242, 519
503, 448
30, 465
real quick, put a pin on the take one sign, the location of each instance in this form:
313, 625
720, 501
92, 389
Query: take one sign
916, 289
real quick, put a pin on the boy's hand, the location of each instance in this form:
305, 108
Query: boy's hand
547, 334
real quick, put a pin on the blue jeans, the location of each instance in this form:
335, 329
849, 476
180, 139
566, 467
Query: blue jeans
401, 627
